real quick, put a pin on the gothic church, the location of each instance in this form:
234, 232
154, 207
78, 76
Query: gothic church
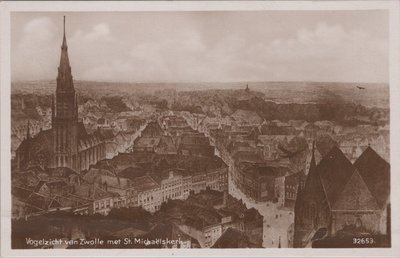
67, 143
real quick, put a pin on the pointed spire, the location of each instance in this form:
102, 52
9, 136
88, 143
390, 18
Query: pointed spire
64, 44
64, 78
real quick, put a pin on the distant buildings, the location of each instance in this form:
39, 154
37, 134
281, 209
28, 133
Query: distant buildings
251, 147
173, 135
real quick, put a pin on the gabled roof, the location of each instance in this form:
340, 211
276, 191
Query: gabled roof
376, 173
362, 186
145, 183
334, 170
355, 196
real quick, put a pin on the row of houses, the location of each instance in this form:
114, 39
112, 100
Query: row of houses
256, 149
101, 189
208, 215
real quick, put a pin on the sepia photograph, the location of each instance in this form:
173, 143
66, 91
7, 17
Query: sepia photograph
207, 129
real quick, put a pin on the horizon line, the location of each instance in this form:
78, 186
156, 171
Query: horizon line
193, 82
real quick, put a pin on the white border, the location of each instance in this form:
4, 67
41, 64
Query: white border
7, 7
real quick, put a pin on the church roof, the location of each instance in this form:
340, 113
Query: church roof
376, 173
364, 185
355, 196
334, 170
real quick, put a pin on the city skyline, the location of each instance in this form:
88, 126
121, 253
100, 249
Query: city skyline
209, 169
337, 45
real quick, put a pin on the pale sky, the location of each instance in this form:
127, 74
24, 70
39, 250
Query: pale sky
340, 46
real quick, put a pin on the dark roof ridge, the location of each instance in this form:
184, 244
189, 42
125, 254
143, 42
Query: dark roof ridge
370, 151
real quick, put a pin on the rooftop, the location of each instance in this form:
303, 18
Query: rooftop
145, 183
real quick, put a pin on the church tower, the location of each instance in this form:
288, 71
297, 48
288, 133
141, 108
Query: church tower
65, 115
